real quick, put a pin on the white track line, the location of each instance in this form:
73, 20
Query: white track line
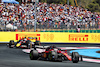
91, 60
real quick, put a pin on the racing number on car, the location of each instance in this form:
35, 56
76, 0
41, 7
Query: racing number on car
48, 36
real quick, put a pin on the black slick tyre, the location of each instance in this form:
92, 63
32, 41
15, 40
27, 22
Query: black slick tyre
34, 55
53, 56
37, 42
75, 57
28, 44
11, 42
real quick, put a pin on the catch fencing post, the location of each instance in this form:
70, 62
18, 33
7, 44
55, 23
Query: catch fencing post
36, 1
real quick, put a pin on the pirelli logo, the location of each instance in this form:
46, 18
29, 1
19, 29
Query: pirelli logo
78, 37
19, 36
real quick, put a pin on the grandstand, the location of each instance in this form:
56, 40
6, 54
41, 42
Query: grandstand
50, 18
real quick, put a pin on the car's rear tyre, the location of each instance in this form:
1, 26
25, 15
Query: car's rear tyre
37, 42
28, 44
34, 55
60, 58
75, 57
11, 42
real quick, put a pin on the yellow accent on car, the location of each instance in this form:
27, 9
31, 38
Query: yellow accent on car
18, 45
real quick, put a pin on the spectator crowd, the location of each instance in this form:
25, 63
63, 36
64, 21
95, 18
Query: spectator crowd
49, 16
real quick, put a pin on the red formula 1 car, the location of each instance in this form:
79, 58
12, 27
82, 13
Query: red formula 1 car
53, 53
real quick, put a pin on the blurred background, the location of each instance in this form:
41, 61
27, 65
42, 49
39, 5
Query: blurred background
50, 16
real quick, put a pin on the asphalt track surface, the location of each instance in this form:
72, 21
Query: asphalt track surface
12, 57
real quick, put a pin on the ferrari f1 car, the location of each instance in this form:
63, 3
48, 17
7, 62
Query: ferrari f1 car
24, 43
53, 53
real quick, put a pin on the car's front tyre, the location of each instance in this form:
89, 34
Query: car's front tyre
34, 55
75, 57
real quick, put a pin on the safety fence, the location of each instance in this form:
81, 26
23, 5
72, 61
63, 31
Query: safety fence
74, 31
49, 27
